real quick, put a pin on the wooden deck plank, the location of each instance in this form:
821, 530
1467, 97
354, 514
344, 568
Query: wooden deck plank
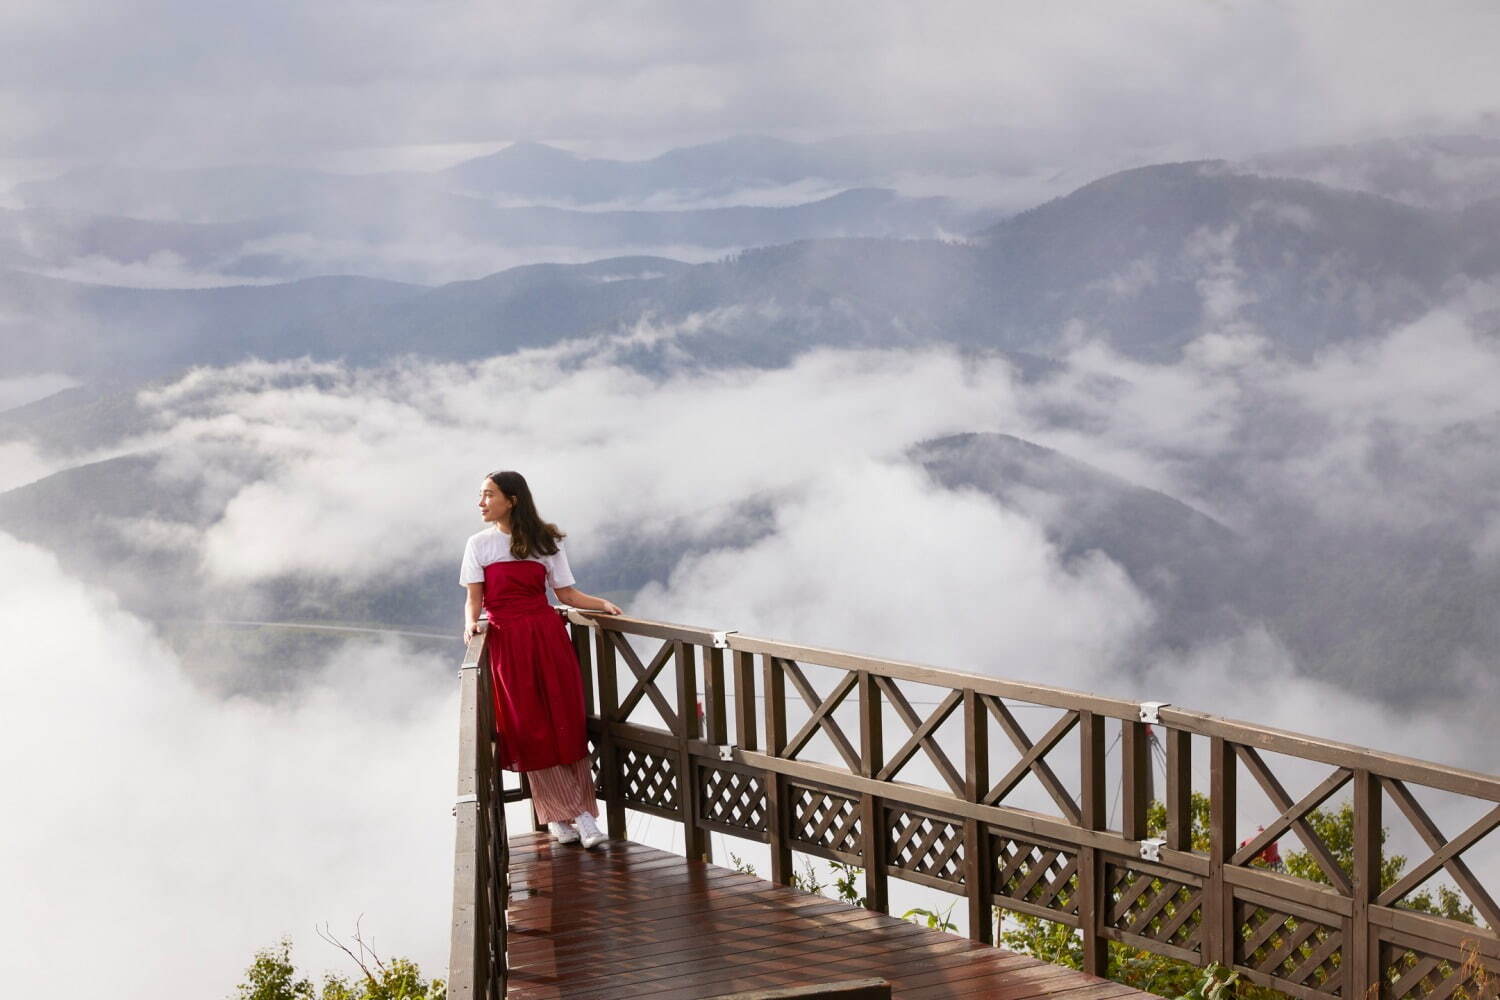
848, 937
629, 921
602, 936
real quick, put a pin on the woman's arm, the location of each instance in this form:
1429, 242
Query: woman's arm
576, 598
473, 601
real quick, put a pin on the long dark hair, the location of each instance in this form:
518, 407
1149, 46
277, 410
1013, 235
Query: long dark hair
529, 534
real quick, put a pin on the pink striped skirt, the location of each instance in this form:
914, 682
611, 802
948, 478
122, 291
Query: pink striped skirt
559, 794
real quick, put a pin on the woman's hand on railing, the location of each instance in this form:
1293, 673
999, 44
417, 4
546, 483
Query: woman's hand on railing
573, 597
472, 629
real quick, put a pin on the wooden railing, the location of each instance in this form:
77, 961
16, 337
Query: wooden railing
855, 759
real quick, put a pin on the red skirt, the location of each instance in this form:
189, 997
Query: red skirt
538, 689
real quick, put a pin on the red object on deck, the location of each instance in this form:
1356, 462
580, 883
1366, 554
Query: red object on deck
1270, 855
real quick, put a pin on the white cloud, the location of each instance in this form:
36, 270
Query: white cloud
199, 829
371, 468
161, 269
874, 557
1428, 374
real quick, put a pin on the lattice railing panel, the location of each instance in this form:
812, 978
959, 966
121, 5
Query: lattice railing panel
822, 736
1041, 877
1409, 973
646, 682
1152, 909
1029, 780
933, 720
732, 798
925, 845
649, 778
1290, 807
1469, 845
824, 819
1294, 949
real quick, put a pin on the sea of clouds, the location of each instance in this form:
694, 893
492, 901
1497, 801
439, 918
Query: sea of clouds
218, 823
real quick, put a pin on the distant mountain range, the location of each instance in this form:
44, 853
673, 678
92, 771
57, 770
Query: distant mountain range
1128, 257
535, 203
736, 165
528, 171
527, 203
343, 227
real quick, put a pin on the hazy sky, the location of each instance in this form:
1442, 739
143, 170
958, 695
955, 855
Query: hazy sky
171, 81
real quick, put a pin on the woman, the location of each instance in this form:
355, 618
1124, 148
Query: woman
537, 686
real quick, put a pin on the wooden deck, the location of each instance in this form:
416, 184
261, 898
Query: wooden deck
626, 920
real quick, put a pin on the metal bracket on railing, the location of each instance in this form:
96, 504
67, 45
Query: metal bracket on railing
726, 753
1151, 711
721, 639
1151, 849
463, 800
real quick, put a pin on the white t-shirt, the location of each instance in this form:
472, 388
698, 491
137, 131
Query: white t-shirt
493, 545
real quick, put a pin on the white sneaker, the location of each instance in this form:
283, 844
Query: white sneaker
589, 833
563, 833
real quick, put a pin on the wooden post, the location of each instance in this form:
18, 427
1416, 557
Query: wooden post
1218, 912
1090, 868
1179, 790
872, 812
978, 863
694, 838
779, 819
714, 701
1363, 980
745, 735
609, 755
1135, 778
775, 685
580, 637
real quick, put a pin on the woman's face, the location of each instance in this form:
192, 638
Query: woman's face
493, 504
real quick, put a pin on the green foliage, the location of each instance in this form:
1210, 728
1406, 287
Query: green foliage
1214, 984
1336, 829
807, 881
1198, 808
845, 882
399, 979
1448, 904
933, 920
272, 976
